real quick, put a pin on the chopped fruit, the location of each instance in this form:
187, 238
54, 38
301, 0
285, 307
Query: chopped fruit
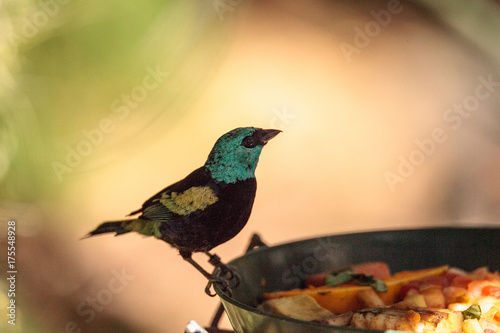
342, 298
301, 307
378, 270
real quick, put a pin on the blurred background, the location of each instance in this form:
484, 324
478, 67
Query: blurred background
389, 111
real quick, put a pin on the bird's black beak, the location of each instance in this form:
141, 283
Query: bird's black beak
264, 135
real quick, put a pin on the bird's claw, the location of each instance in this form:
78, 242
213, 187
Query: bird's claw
232, 274
225, 269
223, 283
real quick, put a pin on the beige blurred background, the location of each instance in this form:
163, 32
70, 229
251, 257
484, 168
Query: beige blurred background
389, 112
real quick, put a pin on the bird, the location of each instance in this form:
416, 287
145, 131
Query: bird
208, 207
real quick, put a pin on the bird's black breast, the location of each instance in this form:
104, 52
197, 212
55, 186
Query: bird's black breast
231, 212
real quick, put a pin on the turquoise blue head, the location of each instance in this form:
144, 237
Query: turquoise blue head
235, 154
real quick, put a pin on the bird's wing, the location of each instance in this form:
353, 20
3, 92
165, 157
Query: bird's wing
177, 204
193, 193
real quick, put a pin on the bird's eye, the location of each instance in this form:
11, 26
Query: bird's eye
249, 142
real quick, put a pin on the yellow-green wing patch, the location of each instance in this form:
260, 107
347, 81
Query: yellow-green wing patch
192, 199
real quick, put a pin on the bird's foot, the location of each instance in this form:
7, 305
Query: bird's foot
223, 283
225, 269
212, 278
231, 273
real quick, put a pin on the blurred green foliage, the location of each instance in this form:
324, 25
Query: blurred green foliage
68, 64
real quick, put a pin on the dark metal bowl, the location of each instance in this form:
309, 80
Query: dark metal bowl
284, 266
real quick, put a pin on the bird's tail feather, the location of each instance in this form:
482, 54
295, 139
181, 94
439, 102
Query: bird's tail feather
112, 226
